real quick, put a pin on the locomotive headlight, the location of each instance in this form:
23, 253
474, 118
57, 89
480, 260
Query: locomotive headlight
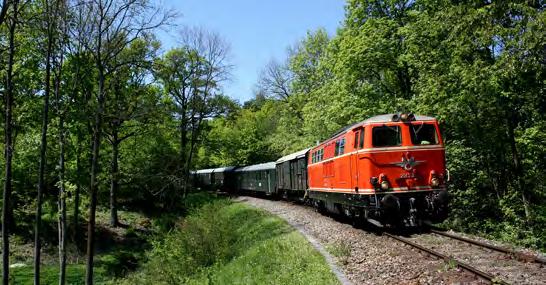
385, 185
435, 182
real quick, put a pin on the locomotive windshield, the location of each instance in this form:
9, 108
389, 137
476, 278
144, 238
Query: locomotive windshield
386, 136
422, 134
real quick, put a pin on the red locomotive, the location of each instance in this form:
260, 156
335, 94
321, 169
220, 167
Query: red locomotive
389, 169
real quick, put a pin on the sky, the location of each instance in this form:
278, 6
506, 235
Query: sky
257, 31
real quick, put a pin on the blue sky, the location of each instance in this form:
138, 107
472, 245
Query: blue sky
256, 30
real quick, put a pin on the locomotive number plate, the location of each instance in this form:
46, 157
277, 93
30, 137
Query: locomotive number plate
408, 175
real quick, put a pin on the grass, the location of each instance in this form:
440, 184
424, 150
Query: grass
119, 251
341, 250
218, 242
222, 242
75, 274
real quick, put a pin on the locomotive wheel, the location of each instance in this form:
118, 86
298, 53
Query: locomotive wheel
319, 206
391, 210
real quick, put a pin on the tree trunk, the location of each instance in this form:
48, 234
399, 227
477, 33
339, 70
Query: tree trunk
62, 190
62, 205
518, 168
43, 148
114, 185
4, 10
77, 192
183, 141
8, 151
93, 177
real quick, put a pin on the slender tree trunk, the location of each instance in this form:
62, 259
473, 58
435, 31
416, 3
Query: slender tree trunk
114, 185
43, 148
4, 10
93, 183
183, 141
62, 205
183, 145
62, 189
77, 192
8, 148
518, 168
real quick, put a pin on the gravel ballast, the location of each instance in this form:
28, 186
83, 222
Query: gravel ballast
365, 257
505, 267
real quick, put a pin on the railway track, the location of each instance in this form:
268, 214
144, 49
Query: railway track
489, 263
493, 264
481, 274
513, 253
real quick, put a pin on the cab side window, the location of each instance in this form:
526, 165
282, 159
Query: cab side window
340, 147
361, 142
359, 139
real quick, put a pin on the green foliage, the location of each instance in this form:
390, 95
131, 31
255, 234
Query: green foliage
229, 243
477, 67
119, 262
341, 250
75, 274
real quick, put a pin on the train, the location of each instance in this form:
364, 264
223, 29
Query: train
389, 170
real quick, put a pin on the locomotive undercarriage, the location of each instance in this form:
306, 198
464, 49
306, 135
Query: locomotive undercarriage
386, 209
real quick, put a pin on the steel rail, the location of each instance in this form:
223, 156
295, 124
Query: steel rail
486, 276
492, 247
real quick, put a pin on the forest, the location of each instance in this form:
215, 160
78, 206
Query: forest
97, 117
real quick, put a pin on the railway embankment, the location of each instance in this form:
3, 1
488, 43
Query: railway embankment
368, 257
225, 242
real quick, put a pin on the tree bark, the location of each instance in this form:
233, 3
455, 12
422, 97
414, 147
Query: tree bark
114, 172
4, 10
77, 192
43, 147
97, 134
62, 205
8, 148
62, 189
518, 168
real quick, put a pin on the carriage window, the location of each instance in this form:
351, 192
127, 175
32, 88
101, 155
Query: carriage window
321, 154
386, 136
357, 138
423, 134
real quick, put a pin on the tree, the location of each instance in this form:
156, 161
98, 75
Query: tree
3, 10
51, 17
275, 80
133, 103
110, 26
191, 76
8, 146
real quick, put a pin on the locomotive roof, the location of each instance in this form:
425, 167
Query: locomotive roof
294, 155
385, 118
256, 167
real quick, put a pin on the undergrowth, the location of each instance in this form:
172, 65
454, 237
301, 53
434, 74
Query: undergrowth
222, 242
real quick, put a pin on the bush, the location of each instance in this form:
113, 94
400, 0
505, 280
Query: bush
231, 243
